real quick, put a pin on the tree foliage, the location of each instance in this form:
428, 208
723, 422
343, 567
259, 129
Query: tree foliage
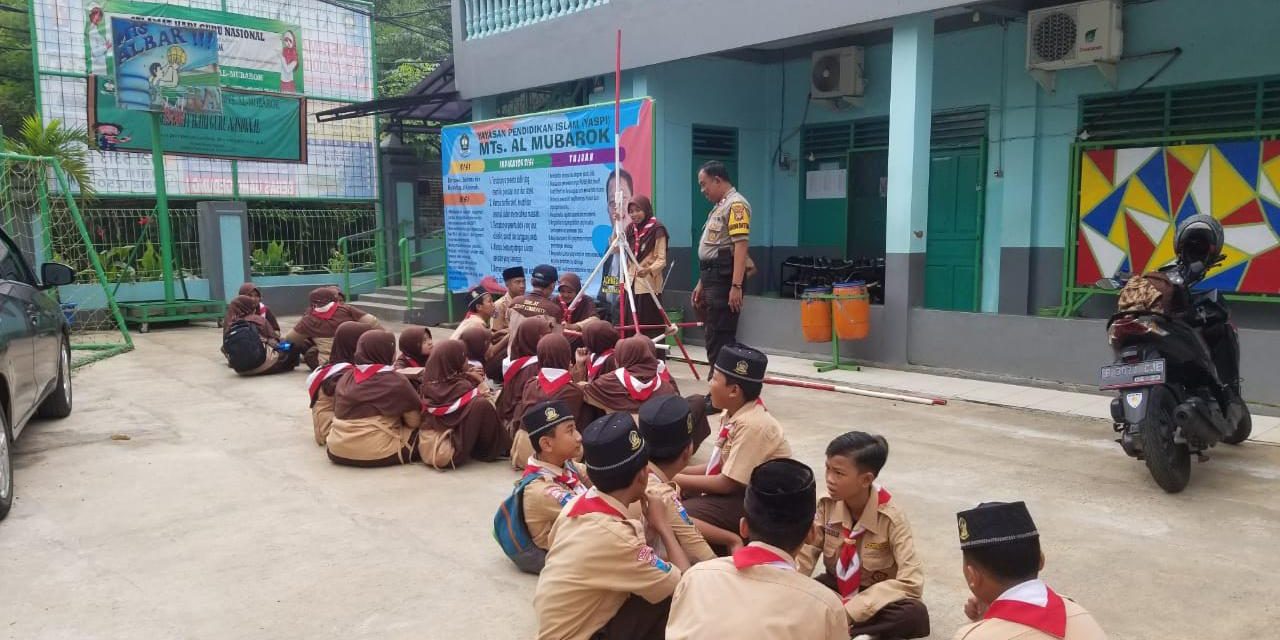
68, 145
17, 95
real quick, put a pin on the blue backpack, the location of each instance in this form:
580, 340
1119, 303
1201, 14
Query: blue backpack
512, 534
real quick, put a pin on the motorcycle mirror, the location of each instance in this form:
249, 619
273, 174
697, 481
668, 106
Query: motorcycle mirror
1107, 284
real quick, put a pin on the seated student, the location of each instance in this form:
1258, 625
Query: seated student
323, 382
567, 289
537, 303
866, 545
375, 411
666, 424
513, 277
480, 309
749, 435
1002, 564
600, 340
455, 408
415, 347
769, 597
601, 579
552, 426
519, 368
313, 334
633, 381
553, 382
250, 289
475, 339
244, 309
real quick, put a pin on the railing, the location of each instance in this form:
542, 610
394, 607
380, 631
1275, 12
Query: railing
369, 252
488, 17
284, 241
407, 258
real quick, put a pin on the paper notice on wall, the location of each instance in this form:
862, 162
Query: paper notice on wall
824, 184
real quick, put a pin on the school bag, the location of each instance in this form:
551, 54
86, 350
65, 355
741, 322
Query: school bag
512, 534
243, 346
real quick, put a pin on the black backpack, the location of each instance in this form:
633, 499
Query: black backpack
243, 346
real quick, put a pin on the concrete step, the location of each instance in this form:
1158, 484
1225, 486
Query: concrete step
426, 312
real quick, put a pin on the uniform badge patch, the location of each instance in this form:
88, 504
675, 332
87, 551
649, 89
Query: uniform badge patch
964, 529
635, 440
646, 555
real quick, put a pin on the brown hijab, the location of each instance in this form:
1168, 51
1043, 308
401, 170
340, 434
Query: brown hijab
554, 352
644, 237
586, 307
244, 308
344, 350
363, 392
445, 378
324, 324
476, 341
249, 288
525, 341
411, 341
636, 358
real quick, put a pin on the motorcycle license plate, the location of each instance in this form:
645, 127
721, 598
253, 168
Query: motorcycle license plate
1138, 374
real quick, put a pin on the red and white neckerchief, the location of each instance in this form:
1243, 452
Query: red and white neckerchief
754, 556
326, 311
511, 367
642, 233
597, 362
1032, 604
476, 363
637, 388
262, 309
552, 380
715, 463
591, 502
565, 311
849, 564
568, 478
324, 373
445, 410
663, 372
363, 372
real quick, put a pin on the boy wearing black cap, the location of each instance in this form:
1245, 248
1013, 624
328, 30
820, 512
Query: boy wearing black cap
600, 576
480, 309
538, 301
749, 435
555, 436
666, 424
1002, 563
767, 597
513, 277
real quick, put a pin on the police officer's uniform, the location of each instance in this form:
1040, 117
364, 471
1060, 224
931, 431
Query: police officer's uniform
728, 222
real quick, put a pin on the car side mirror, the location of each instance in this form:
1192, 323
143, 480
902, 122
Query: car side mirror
55, 274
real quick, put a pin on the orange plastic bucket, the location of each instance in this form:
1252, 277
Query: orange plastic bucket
815, 315
852, 310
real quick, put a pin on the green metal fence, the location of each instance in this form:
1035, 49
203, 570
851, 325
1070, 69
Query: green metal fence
361, 258
306, 241
410, 278
128, 242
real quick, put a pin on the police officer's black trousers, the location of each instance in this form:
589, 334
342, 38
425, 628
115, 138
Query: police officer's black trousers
721, 322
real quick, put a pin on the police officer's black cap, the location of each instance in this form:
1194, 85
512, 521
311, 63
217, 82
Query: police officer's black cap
511, 273
993, 523
666, 425
544, 274
742, 362
783, 491
612, 444
475, 296
541, 418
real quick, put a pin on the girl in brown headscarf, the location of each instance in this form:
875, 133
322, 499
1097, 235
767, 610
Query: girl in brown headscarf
635, 380
475, 339
456, 412
647, 238
600, 338
553, 382
313, 335
376, 412
244, 309
415, 346
250, 289
521, 367
323, 382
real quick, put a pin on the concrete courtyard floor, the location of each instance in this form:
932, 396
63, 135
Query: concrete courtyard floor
218, 517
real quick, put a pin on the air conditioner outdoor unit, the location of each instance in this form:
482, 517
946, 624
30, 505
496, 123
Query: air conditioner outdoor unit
1074, 35
837, 75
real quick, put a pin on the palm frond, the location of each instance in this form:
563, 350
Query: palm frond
68, 145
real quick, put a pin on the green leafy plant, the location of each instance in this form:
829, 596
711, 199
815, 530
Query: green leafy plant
272, 261
150, 264
68, 145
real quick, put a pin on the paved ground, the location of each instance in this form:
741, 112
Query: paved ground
220, 518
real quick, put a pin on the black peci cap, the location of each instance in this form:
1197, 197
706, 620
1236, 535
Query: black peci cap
544, 274
612, 445
666, 425
992, 523
511, 273
781, 490
475, 296
742, 362
543, 417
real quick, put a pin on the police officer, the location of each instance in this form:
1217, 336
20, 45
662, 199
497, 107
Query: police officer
722, 257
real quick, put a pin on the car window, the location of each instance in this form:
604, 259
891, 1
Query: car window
12, 266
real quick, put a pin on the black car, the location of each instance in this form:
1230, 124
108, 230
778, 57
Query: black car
35, 352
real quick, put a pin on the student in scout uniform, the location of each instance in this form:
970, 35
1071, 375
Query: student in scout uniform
312, 336
250, 289
480, 309
722, 257
323, 382
553, 382
749, 435
866, 545
537, 303
551, 427
601, 580
376, 412
758, 593
244, 308
666, 424
458, 420
1002, 563
415, 347
513, 277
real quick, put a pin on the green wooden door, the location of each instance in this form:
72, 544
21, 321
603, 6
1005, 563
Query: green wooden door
868, 203
953, 264
709, 143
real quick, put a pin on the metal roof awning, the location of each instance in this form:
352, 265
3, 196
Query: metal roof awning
433, 102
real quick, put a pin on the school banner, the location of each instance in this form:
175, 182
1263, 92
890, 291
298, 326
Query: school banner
258, 54
255, 126
539, 188
165, 68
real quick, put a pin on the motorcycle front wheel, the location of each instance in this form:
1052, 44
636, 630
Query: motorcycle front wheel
1169, 462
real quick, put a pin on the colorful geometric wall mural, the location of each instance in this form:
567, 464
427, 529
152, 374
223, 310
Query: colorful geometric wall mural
1131, 201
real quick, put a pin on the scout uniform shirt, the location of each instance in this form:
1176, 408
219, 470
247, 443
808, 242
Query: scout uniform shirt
750, 437
1032, 611
662, 488
500, 308
472, 320
873, 559
546, 496
728, 222
598, 558
756, 594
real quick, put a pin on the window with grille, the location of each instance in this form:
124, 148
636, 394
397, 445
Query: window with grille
1236, 107
715, 142
827, 142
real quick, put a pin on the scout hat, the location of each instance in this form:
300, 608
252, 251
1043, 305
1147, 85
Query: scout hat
541, 418
511, 273
781, 490
995, 523
544, 275
475, 296
666, 425
612, 446
742, 362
